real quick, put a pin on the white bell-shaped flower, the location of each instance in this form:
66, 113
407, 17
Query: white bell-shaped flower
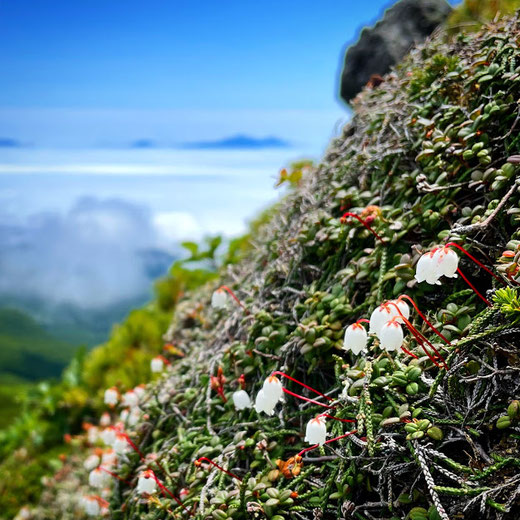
91, 462
316, 431
111, 396
403, 307
97, 478
120, 444
140, 392
91, 506
146, 484
356, 338
134, 416
241, 400
108, 436
105, 420
380, 316
93, 434
109, 458
157, 365
391, 336
262, 404
273, 389
426, 269
219, 299
130, 399
23, 514
447, 262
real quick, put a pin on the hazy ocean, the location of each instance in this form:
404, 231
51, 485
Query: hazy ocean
212, 190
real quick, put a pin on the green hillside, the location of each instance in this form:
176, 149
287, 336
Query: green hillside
27, 350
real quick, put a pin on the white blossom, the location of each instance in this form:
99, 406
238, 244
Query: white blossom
105, 419
97, 478
241, 400
380, 316
391, 336
157, 365
120, 444
356, 338
273, 389
130, 399
146, 484
447, 262
108, 435
91, 462
111, 396
91, 506
219, 299
426, 269
316, 431
262, 404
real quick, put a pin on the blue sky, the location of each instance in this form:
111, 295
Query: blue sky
136, 58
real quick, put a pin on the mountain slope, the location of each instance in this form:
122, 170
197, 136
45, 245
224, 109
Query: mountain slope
424, 432
27, 350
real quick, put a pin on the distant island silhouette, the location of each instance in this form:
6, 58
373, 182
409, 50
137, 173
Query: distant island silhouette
240, 142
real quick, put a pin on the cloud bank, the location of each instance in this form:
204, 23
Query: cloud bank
98, 253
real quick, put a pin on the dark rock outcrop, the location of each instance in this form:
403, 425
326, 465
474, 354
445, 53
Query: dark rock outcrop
405, 24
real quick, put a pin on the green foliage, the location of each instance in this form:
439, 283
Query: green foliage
27, 350
293, 176
471, 14
508, 301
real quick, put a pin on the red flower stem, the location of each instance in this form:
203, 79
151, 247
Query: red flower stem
165, 491
233, 295
114, 475
220, 392
307, 399
473, 288
406, 297
363, 320
480, 264
336, 418
134, 447
406, 351
421, 339
197, 462
357, 217
164, 360
283, 374
101, 501
326, 442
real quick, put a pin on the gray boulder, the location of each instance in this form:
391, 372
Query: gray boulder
403, 25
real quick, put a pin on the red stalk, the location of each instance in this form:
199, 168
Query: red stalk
114, 475
420, 339
101, 501
307, 399
165, 491
473, 288
233, 295
480, 264
363, 320
134, 447
197, 463
405, 296
406, 351
326, 442
357, 217
278, 373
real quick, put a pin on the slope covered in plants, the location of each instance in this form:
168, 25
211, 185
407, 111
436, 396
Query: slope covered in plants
429, 430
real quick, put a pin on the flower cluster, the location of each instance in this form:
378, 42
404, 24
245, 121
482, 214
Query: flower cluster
435, 264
